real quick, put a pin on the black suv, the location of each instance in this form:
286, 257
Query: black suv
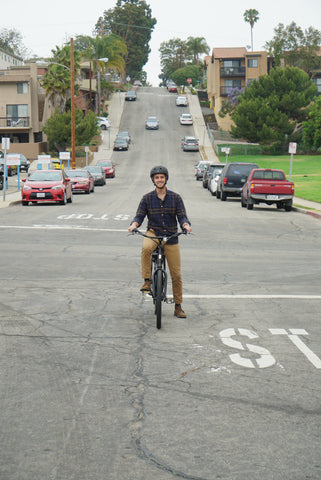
232, 179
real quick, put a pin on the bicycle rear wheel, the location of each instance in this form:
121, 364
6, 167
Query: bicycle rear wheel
158, 298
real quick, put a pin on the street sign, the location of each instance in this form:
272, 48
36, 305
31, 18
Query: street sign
5, 143
292, 147
13, 159
44, 158
189, 80
64, 155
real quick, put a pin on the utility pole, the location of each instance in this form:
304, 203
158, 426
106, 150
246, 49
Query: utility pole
72, 89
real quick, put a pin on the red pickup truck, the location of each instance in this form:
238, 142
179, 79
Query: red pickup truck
266, 185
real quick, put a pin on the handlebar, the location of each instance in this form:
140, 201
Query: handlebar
160, 238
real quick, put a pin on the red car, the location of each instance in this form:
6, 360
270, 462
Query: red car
81, 180
108, 168
46, 186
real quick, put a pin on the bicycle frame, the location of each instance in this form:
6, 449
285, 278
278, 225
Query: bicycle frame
158, 272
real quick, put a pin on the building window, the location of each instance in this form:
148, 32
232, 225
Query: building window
17, 111
231, 63
252, 63
22, 87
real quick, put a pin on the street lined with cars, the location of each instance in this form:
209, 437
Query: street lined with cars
90, 386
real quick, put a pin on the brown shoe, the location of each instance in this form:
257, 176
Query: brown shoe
179, 312
146, 286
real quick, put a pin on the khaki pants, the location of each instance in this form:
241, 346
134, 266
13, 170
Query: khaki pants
173, 257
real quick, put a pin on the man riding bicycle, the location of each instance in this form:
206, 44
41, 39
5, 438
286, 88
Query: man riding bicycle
164, 209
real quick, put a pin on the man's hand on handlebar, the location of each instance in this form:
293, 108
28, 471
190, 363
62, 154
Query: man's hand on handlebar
186, 228
132, 227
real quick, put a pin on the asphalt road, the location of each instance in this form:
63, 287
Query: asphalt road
91, 390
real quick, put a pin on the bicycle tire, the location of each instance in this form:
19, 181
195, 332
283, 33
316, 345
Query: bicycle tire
158, 298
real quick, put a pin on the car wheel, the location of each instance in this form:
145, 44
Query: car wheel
279, 205
64, 200
25, 203
288, 207
88, 191
249, 205
223, 196
103, 127
243, 204
70, 199
218, 194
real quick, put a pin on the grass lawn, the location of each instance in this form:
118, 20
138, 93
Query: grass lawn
306, 171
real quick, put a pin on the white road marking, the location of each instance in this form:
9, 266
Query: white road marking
253, 296
61, 227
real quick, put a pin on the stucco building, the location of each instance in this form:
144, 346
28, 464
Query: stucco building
231, 68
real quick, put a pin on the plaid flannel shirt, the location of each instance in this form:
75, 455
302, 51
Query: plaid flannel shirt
162, 215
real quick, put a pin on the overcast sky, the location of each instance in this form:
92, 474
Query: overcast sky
44, 25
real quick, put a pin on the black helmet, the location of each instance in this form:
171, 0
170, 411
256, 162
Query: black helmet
159, 170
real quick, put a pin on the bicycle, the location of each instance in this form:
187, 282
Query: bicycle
158, 289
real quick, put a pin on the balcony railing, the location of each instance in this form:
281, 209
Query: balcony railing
233, 72
14, 122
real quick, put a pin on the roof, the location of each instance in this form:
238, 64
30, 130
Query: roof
229, 52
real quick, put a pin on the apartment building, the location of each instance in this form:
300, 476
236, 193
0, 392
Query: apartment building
231, 68
21, 109
7, 60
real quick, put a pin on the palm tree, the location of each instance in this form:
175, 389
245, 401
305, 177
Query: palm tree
251, 16
197, 46
56, 81
106, 52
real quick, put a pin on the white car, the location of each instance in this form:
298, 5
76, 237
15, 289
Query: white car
181, 101
103, 123
212, 184
186, 119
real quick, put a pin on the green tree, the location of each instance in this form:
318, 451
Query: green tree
251, 16
11, 42
132, 21
58, 128
294, 47
198, 46
181, 75
312, 127
174, 54
272, 106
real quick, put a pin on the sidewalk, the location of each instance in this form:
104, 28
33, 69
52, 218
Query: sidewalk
115, 107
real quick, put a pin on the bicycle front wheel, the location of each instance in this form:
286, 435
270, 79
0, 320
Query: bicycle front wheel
158, 298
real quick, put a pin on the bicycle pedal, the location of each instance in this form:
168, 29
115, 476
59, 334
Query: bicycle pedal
169, 300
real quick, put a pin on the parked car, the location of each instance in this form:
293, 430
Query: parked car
267, 185
208, 172
199, 169
81, 180
120, 143
213, 179
232, 179
189, 144
131, 96
172, 88
137, 83
46, 186
181, 101
108, 168
98, 173
152, 123
186, 119
124, 134
103, 123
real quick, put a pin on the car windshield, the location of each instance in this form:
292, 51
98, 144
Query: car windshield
268, 175
122, 134
76, 173
104, 164
191, 140
45, 176
241, 169
94, 169
120, 140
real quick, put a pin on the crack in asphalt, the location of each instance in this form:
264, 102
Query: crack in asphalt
137, 395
